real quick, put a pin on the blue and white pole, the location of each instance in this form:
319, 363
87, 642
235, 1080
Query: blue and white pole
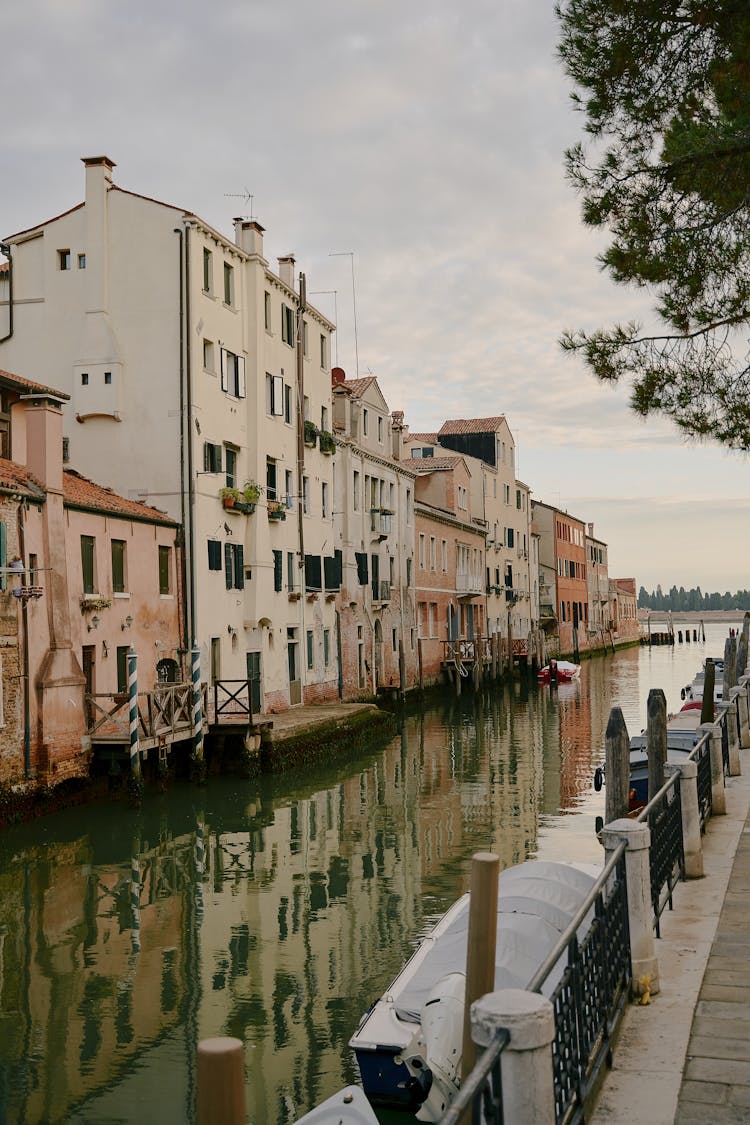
195, 665
135, 757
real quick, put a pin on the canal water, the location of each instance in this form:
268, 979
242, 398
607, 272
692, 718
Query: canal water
276, 910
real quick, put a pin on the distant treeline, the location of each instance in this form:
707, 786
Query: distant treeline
694, 599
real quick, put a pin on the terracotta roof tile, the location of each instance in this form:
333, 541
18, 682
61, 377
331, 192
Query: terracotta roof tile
27, 386
430, 439
471, 425
427, 464
358, 386
79, 492
18, 478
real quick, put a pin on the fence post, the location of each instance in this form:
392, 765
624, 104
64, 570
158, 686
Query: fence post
718, 796
733, 722
221, 1082
526, 1062
691, 818
656, 738
643, 960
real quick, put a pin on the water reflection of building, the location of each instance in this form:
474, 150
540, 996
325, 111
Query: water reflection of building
311, 896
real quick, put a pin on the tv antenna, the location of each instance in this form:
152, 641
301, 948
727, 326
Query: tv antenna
246, 196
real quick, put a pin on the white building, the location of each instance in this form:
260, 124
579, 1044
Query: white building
192, 366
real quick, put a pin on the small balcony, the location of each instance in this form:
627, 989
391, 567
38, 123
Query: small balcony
381, 591
469, 585
380, 522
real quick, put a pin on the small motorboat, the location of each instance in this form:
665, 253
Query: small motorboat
408, 1045
558, 672
682, 736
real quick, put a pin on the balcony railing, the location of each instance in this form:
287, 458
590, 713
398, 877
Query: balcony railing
469, 583
380, 522
381, 591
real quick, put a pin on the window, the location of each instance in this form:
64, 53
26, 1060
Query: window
324, 500
165, 570
310, 652
355, 491
63, 259
211, 457
380, 429
306, 495
462, 497
287, 325
271, 478
506, 493
509, 537
230, 461
326, 647
278, 557
234, 572
118, 566
274, 395
394, 640
290, 568
287, 403
214, 554
313, 573
433, 553
444, 555
108, 377
87, 563
208, 269
289, 487
232, 373
421, 551
304, 338
267, 310
408, 572
518, 499
82, 261
122, 668
84, 378
409, 510
228, 284
209, 359
323, 352
364, 421
324, 417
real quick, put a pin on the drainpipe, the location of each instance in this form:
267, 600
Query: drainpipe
189, 439
25, 630
183, 562
5, 250
300, 357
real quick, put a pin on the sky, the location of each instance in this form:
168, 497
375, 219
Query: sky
426, 140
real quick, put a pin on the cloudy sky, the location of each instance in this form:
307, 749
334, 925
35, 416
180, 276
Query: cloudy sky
427, 138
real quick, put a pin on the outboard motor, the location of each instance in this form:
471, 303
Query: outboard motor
435, 1049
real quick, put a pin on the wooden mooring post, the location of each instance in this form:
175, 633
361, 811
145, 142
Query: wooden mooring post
221, 1082
656, 739
481, 943
617, 767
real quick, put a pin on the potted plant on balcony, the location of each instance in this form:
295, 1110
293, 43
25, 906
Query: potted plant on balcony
276, 510
311, 433
230, 497
249, 497
327, 442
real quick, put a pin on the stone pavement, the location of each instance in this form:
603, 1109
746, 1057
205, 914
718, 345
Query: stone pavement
300, 720
685, 1057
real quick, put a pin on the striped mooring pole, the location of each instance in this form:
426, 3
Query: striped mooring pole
135, 757
195, 665
135, 900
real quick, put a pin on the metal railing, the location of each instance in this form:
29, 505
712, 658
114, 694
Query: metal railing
482, 1089
663, 814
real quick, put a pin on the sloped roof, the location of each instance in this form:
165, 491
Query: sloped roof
471, 425
427, 464
357, 387
431, 439
78, 206
79, 492
28, 386
17, 478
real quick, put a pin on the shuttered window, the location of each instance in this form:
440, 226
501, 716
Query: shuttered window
87, 563
313, 580
362, 568
214, 554
278, 557
118, 566
333, 570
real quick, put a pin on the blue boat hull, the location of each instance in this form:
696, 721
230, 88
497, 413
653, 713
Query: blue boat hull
387, 1083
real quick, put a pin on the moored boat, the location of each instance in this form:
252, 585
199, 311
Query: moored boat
558, 672
408, 1045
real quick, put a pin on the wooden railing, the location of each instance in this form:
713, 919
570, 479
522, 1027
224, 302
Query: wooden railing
165, 710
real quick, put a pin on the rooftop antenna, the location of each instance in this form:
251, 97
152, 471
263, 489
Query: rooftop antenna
247, 197
327, 293
350, 254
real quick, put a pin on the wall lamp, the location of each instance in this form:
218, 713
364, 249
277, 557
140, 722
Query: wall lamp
127, 623
93, 623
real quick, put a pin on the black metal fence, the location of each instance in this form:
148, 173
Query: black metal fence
482, 1090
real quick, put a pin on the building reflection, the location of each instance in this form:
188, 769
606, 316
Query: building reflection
274, 910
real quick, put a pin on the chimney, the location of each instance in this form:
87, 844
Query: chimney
286, 270
98, 183
44, 441
591, 531
248, 235
338, 375
397, 431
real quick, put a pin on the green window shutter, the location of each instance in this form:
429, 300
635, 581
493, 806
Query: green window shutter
362, 567
122, 668
3, 555
228, 565
118, 566
239, 566
277, 570
87, 563
164, 570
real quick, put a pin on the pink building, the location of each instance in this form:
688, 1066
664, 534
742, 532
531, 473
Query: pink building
84, 575
624, 609
449, 569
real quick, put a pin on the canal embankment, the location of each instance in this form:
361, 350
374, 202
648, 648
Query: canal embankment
685, 1056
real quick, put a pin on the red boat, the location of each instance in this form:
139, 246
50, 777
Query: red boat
558, 672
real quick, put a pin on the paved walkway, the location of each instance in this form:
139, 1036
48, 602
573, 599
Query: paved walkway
685, 1057
297, 720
